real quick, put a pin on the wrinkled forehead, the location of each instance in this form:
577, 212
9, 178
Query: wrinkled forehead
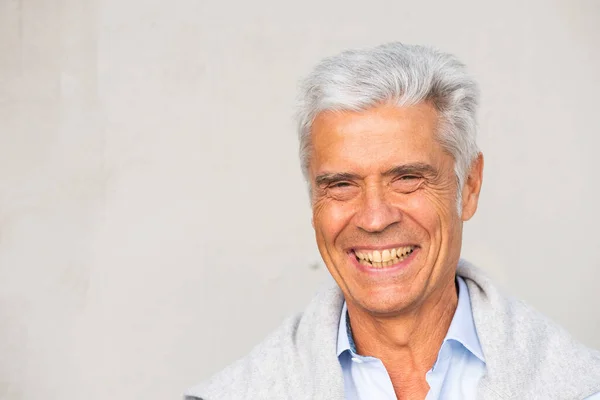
375, 139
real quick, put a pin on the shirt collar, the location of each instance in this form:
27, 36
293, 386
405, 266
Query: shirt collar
462, 328
345, 340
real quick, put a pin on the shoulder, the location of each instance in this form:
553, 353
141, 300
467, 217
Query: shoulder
553, 358
552, 352
524, 350
260, 372
296, 361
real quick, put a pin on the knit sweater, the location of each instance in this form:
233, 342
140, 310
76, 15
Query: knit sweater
527, 356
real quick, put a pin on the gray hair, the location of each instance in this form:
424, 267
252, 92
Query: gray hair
405, 75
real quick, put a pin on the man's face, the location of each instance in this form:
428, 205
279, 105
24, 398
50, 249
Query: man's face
384, 205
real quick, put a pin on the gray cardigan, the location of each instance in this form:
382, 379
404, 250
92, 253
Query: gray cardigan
527, 356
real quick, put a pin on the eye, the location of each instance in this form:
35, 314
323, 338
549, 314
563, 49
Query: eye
342, 190
407, 183
339, 185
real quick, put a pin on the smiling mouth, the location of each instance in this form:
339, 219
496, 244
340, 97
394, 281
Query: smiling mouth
383, 258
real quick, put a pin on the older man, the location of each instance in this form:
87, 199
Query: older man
387, 144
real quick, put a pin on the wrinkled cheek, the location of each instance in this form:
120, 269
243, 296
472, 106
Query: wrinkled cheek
320, 237
444, 228
330, 223
424, 212
434, 222
324, 227
331, 218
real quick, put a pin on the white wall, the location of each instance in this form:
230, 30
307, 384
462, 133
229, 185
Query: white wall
153, 220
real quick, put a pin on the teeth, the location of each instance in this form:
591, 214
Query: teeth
364, 262
376, 256
385, 258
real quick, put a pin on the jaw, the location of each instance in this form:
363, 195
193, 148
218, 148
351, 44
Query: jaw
396, 286
381, 289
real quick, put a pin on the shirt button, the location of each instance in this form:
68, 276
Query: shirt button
357, 360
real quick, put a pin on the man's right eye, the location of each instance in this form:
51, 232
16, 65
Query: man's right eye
342, 191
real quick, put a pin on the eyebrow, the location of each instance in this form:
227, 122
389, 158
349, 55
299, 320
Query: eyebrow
414, 168
405, 169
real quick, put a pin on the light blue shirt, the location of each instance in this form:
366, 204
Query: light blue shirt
459, 366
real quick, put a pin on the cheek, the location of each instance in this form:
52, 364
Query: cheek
330, 218
429, 212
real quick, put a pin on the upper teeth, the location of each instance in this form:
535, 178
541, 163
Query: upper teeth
385, 255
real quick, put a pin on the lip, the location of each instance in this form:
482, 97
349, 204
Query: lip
383, 271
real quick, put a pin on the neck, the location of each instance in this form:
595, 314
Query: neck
407, 343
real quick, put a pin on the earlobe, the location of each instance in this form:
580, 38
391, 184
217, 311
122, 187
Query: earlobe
472, 188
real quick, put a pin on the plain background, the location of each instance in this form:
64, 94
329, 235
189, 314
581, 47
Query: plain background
154, 224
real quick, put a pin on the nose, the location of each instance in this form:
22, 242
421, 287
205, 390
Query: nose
376, 213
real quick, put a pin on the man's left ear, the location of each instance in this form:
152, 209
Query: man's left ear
472, 188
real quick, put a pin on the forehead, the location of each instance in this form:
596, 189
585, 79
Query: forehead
375, 139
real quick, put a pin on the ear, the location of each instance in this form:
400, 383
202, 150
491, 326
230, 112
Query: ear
472, 188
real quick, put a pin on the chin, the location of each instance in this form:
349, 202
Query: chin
384, 301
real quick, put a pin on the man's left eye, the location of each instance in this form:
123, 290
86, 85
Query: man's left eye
407, 183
